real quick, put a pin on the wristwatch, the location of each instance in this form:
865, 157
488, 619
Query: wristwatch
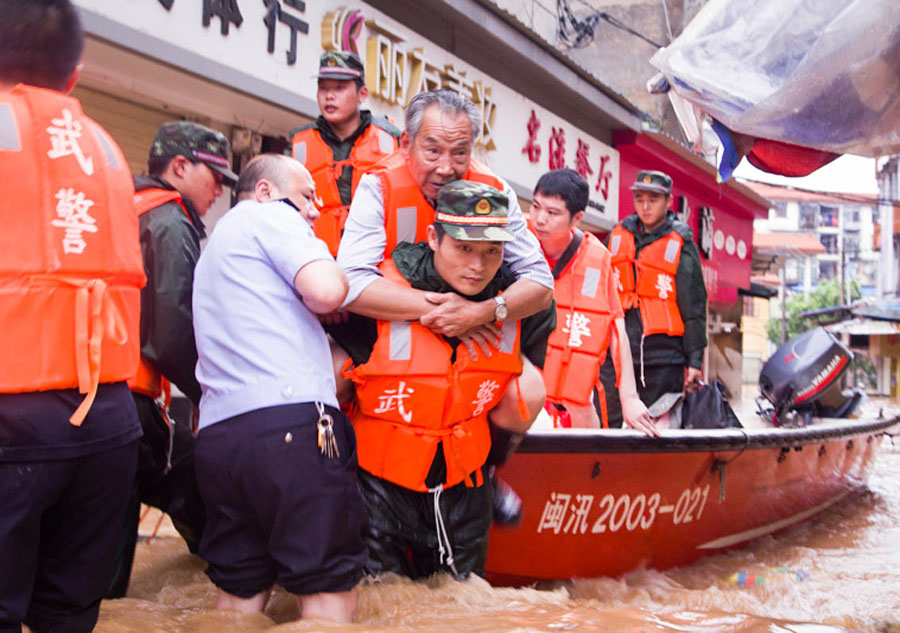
501, 311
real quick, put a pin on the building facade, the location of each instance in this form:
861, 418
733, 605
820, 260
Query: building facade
248, 68
845, 224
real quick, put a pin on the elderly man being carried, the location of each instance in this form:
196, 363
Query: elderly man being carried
394, 204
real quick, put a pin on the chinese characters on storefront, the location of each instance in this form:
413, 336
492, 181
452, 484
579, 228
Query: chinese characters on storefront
284, 12
556, 155
395, 71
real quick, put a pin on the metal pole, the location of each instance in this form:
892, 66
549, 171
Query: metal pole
783, 308
843, 252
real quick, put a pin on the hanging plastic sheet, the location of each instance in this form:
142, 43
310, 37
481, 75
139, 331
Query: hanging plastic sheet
821, 74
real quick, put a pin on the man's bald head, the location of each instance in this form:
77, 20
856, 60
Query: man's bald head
278, 177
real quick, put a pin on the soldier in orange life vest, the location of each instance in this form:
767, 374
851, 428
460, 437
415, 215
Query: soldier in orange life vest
343, 143
70, 279
589, 318
188, 164
660, 283
428, 408
393, 203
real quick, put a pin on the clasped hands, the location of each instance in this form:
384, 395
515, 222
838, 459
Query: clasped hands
470, 321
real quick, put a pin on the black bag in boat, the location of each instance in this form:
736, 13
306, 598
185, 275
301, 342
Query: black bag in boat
708, 408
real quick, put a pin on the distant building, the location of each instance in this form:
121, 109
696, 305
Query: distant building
845, 224
887, 238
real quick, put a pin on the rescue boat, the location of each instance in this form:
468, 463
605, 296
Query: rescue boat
603, 503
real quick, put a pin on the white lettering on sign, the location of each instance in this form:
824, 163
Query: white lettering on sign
623, 512
554, 512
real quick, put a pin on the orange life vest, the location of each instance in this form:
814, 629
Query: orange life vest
577, 346
414, 398
148, 380
70, 257
406, 211
308, 147
649, 282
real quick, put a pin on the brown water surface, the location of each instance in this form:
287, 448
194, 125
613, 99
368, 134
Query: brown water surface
850, 556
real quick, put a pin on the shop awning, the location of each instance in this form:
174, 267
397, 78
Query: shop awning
758, 290
864, 327
884, 311
770, 250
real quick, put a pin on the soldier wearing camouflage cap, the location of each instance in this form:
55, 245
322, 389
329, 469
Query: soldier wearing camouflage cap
195, 142
472, 424
661, 288
188, 165
343, 142
471, 211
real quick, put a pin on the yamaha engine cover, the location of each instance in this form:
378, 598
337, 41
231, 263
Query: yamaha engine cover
803, 376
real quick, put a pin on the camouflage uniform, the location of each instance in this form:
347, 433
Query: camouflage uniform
170, 245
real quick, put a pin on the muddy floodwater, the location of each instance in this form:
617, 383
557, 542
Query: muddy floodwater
838, 572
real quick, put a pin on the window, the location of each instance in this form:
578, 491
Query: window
779, 211
828, 270
749, 307
830, 242
808, 213
829, 216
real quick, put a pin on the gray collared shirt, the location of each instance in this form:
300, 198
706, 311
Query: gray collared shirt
364, 240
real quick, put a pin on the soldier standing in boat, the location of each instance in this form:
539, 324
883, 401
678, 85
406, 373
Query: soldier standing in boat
70, 279
660, 282
342, 143
589, 318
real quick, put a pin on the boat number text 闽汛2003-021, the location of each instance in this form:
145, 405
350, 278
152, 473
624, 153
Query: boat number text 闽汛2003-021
572, 514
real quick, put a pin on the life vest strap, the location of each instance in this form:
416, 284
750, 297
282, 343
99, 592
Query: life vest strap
96, 317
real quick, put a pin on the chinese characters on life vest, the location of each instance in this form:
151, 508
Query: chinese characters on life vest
72, 207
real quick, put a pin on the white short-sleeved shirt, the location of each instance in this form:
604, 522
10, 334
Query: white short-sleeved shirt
364, 240
258, 344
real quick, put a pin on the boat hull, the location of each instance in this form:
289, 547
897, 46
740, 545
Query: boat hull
605, 503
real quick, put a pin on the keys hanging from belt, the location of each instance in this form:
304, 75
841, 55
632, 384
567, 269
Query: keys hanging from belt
326, 440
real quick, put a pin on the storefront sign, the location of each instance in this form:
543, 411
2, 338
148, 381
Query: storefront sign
275, 42
400, 64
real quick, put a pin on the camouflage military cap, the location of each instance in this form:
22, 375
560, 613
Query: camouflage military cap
340, 65
652, 181
472, 211
195, 142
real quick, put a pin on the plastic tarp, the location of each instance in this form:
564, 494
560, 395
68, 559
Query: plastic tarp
822, 74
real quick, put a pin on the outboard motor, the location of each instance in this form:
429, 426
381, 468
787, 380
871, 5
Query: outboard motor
802, 380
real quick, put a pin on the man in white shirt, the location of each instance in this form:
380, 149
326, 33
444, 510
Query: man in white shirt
275, 458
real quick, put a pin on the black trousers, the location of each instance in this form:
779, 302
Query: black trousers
659, 379
175, 491
402, 536
60, 522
